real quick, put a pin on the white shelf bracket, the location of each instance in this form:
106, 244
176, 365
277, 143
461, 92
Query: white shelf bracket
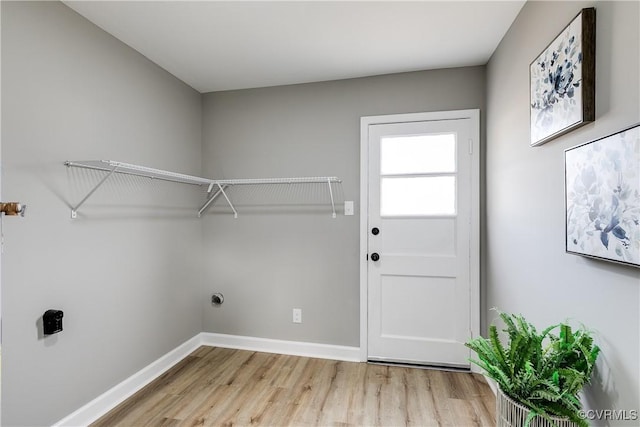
333, 205
210, 200
74, 210
235, 213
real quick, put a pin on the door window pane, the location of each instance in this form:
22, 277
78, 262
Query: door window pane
432, 153
432, 195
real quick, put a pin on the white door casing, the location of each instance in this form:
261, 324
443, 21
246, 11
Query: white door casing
420, 300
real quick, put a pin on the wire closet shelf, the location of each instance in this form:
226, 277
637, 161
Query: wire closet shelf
215, 187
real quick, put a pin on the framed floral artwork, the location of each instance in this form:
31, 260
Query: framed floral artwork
602, 192
562, 80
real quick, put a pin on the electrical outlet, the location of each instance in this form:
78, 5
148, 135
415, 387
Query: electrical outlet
297, 315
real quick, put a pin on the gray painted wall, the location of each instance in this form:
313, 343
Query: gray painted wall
528, 271
270, 259
127, 272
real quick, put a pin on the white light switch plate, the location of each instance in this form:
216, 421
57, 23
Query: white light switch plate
348, 207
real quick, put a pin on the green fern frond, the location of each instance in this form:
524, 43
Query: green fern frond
542, 371
498, 349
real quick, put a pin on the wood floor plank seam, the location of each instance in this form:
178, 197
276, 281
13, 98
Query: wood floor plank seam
216, 386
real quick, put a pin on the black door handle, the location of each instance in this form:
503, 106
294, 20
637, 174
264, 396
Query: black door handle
375, 256
375, 231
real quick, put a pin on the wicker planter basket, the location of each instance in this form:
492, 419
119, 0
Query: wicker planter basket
510, 413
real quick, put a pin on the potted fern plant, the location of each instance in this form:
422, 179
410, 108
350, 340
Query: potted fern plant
539, 375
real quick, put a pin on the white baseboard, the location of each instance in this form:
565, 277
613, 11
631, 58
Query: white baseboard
294, 348
116, 395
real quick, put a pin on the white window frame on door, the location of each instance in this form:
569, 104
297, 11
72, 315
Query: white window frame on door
474, 146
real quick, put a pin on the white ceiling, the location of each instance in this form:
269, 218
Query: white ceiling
223, 45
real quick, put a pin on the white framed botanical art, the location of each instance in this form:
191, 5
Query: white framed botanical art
602, 195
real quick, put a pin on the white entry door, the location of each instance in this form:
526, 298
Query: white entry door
420, 233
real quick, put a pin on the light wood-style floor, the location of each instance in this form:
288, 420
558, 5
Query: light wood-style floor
224, 387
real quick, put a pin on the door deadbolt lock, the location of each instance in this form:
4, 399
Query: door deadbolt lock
375, 256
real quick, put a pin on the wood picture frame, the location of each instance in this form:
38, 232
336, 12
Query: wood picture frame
562, 81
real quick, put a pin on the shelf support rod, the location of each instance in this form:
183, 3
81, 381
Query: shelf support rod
210, 200
333, 206
74, 210
235, 213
